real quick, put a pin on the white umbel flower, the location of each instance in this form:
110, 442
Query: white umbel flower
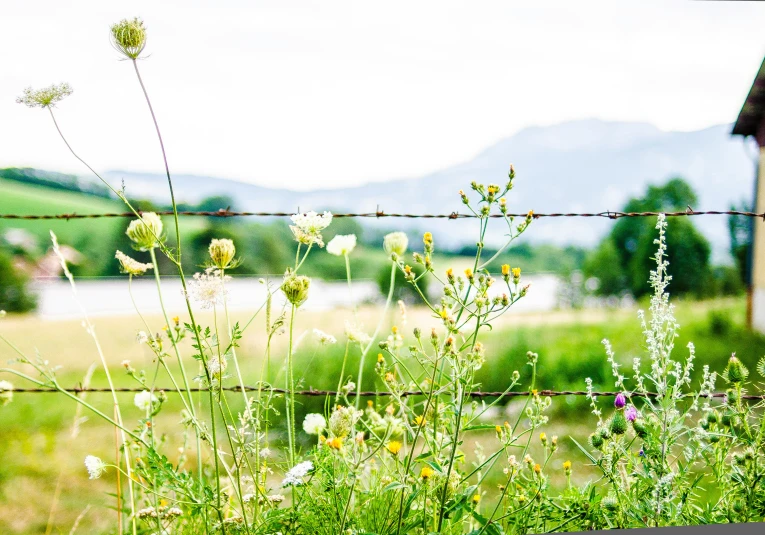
324, 338
314, 424
95, 466
395, 243
342, 245
307, 228
217, 366
131, 266
144, 400
208, 288
297, 473
355, 334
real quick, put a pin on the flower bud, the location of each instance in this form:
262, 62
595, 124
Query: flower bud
222, 253
596, 440
618, 423
736, 372
145, 233
395, 243
295, 287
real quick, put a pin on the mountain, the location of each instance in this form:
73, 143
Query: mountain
577, 166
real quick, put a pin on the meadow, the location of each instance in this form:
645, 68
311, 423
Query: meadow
44, 489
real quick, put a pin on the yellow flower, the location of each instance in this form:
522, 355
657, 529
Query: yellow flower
521, 499
335, 443
469, 273
517, 273
370, 403
427, 238
176, 320
543, 438
426, 472
534, 392
394, 330
567, 466
394, 446
505, 270
380, 358
498, 429
419, 420
389, 377
476, 498
537, 468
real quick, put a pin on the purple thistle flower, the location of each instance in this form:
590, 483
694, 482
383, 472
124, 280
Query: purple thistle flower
631, 413
620, 401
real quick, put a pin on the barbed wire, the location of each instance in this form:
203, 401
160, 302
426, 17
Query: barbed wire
379, 214
371, 393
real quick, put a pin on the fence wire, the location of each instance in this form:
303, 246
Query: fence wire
371, 393
380, 214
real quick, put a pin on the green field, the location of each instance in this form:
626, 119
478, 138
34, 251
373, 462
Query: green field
35, 430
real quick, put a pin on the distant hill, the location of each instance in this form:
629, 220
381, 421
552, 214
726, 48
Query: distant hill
587, 165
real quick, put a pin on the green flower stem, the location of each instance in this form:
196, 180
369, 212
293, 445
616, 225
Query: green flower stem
377, 330
290, 396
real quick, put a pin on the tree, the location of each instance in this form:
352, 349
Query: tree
604, 264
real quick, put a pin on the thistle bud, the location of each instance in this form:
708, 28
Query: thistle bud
129, 37
222, 253
618, 424
620, 401
295, 287
395, 243
736, 372
145, 233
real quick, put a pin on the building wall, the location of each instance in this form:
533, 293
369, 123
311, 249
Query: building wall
758, 252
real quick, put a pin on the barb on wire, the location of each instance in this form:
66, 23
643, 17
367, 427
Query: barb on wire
407, 393
225, 212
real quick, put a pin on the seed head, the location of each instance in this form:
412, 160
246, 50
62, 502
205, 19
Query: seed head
129, 37
145, 233
395, 243
222, 253
295, 287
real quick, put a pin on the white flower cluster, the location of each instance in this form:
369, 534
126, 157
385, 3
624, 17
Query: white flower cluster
307, 228
144, 400
95, 466
324, 338
342, 245
208, 288
314, 424
297, 473
131, 266
355, 334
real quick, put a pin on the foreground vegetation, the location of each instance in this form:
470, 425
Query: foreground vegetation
420, 453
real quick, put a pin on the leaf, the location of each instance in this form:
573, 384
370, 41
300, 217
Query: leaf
587, 453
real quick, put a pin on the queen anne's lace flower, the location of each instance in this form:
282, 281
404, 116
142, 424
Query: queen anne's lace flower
208, 288
355, 334
144, 400
145, 233
131, 266
324, 338
46, 97
314, 424
95, 466
342, 245
307, 228
297, 473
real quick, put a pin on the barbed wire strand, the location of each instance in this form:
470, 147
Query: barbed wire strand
406, 393
225, 212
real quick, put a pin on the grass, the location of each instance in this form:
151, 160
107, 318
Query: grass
35, 430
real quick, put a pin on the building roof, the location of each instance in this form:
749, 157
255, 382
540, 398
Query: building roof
752, 112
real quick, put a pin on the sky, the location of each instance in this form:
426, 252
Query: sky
311, 94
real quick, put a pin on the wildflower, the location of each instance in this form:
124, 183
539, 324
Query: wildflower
735, 372
324, 338
631, 413
543, 438
348, 387
516, 274
394, 446
469, 274
95, 466
216, 366
145, 233
297, 473
426, 472
46, 97
498, 429
355, 334
567, 467
6, 393
395, 243
537, 469
222, 253
341, 422
307, 228
208, 288
314, 424
335, 443
476, 498
144, 400
505, 271
342, 245
618, 424
295, 287
620, 401
129, 37
130, 265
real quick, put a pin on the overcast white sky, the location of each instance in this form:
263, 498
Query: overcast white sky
316, 94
